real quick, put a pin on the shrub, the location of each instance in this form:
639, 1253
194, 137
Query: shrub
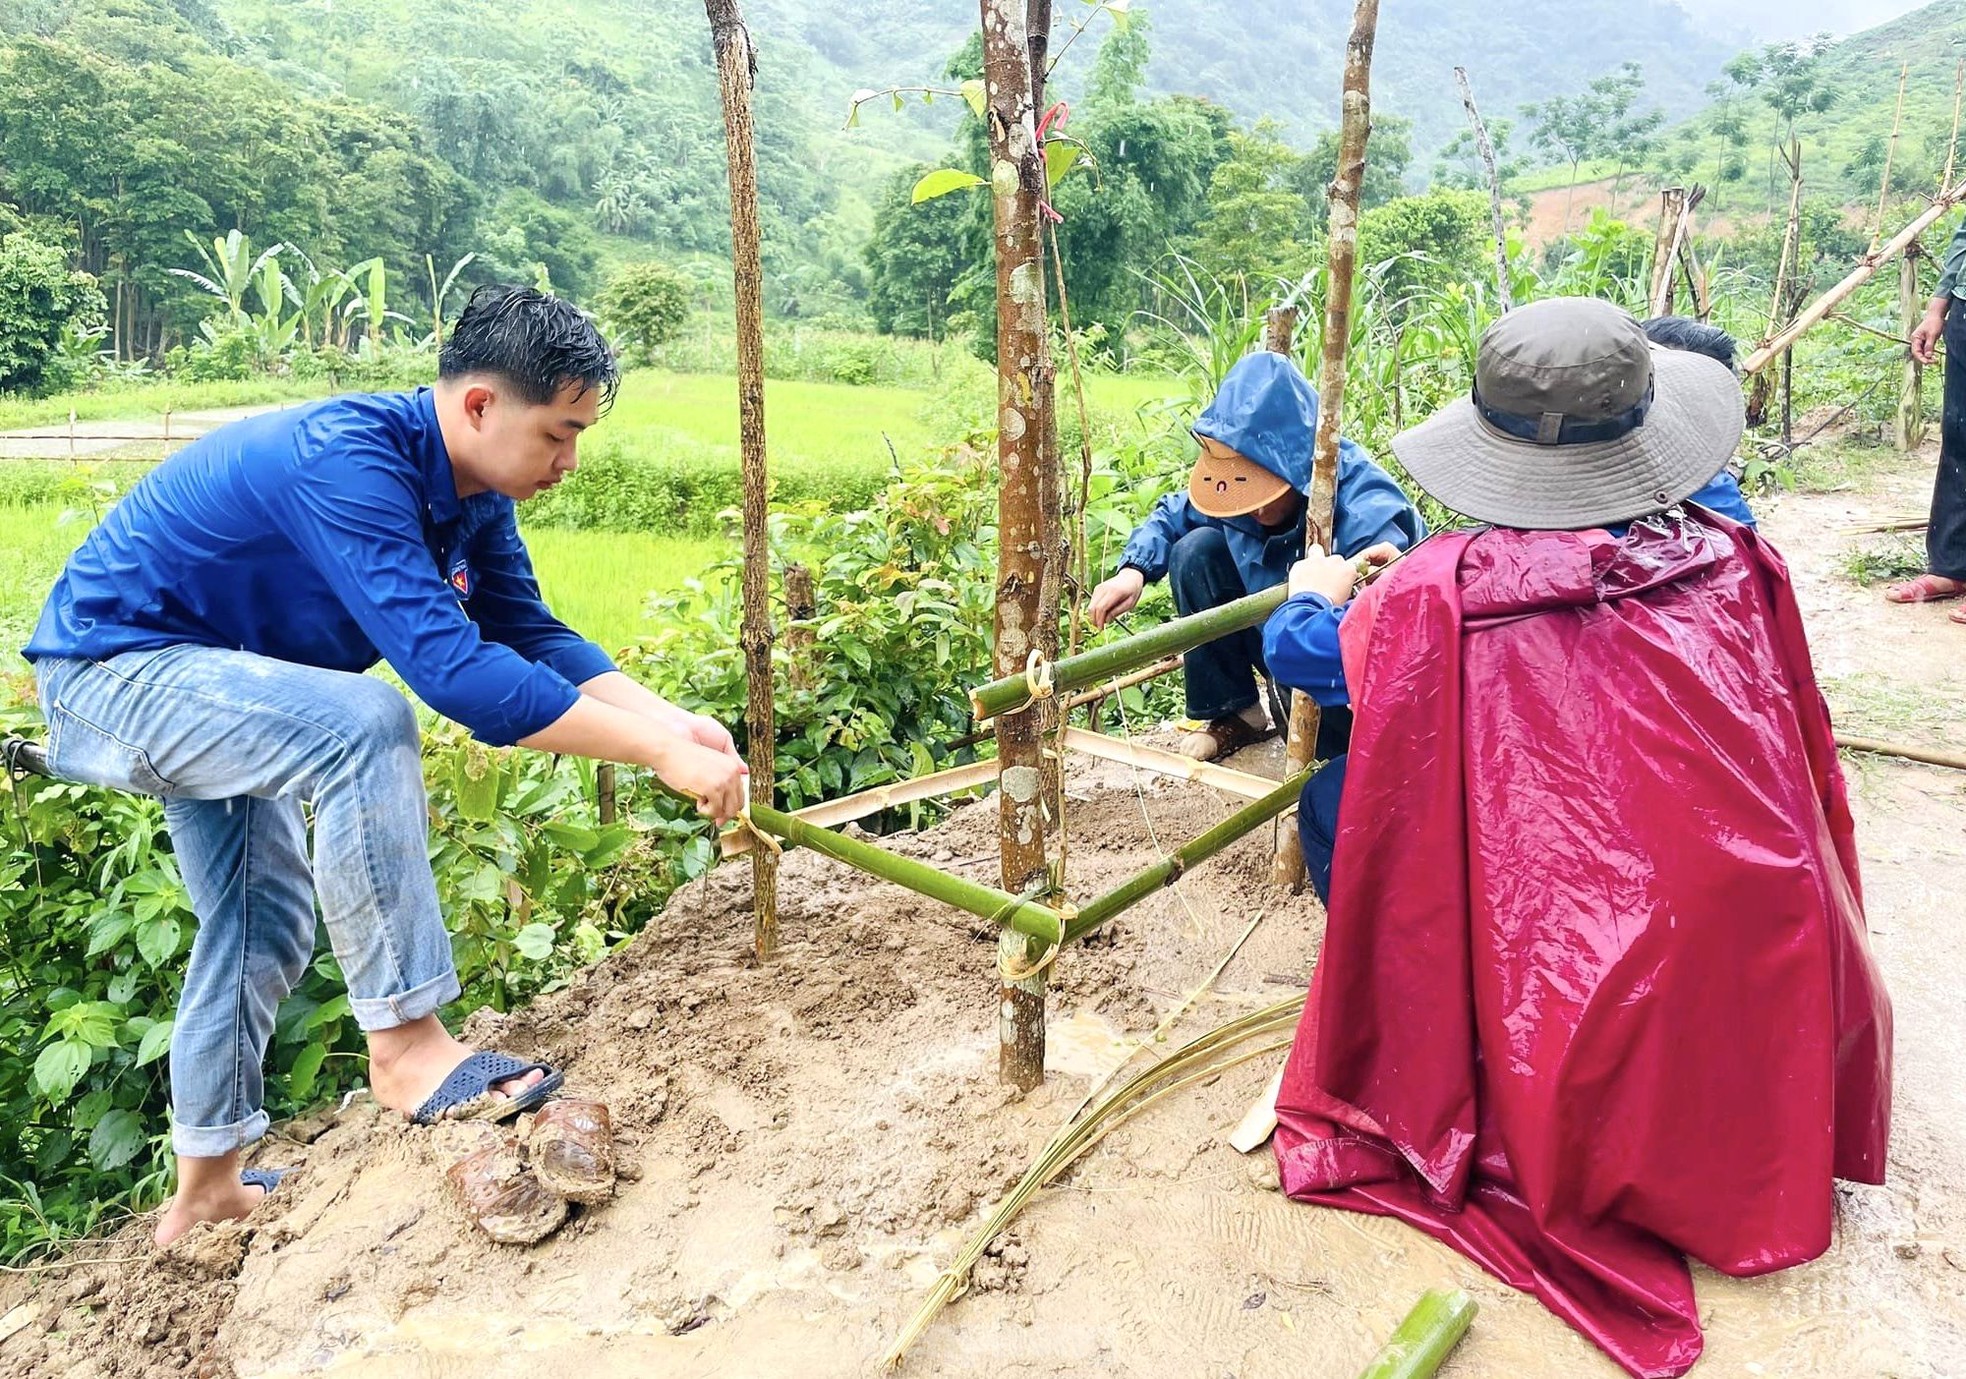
39, 297
645, 306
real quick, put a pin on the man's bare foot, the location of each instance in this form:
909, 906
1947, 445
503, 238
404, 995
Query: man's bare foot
208, 1190
409, 1062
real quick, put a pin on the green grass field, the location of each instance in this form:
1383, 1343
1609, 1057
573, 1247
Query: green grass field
598, 582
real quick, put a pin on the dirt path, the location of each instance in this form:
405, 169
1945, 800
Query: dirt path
100, 439
812, 1141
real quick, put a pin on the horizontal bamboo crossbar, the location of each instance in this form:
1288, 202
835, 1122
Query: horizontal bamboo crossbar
852, 808
1026, 917
1244, 783
1088, 668
1827, 303
1169, 869
1931, 756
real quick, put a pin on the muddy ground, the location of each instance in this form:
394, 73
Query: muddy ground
811, 1142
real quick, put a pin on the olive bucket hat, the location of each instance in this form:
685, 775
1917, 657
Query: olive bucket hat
1575, 421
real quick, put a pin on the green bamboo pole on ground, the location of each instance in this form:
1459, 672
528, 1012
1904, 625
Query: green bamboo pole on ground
1013, 912
1013, 692
1431, 1330
1170, 868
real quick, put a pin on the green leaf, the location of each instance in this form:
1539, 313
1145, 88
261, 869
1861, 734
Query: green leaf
307, 1066
60, 1067
123, 986
334, 1008
156, 1042
117, 1139
109, 929
158, 939
974, 92
573, 836
1059, 155
535, 941
943, 181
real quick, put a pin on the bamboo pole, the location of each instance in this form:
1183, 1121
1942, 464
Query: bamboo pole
1890, 155
1930, 756
1355, 125
852, 808
1952, 145
1102, 691
1017, 184
1170, 868
1858, 276
1011, 692
1423, 1341
1100, 746
1487, 151
604, 797
737, 69
1909, 431
1779, 314
1024, 917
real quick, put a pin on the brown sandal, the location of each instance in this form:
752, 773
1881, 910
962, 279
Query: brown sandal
1223, 737
1927, 588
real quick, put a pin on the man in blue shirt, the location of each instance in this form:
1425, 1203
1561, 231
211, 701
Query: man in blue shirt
206, 644
1239, 527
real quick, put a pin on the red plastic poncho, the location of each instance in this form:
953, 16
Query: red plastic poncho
1595, 989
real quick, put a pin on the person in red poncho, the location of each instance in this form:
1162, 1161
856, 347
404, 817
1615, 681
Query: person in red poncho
1595, 992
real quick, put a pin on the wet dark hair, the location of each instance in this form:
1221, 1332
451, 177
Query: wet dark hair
1696, 337
532, 340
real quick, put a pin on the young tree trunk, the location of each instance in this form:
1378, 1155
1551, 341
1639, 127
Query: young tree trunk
801, 607
1023, 364
1355, 124
1665, 250
1487, 151
737, 66
1911, 413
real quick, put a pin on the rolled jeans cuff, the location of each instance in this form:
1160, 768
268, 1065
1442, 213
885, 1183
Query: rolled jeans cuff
387, 1012
210, 1141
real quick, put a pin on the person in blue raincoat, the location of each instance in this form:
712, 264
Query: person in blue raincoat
1238, 528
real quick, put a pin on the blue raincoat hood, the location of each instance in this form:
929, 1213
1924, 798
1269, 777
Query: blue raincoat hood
1266, 411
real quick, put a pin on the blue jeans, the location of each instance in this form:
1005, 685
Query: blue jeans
235, 744
1221, 675
1317, 823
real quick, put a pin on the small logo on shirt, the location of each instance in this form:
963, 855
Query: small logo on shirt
461, 579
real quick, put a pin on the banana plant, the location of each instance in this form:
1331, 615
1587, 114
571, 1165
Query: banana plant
369, 283
318, 300
230, 268
439, 292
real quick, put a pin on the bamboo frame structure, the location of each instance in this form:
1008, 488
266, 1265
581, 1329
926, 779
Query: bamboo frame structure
1813, 314
737, 70
1171, 867
853, 808
1010, 693
1225, 778
1015, 913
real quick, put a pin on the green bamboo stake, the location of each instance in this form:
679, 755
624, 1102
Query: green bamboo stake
1013, 912
1169, 869
1013, 692
1434, 1327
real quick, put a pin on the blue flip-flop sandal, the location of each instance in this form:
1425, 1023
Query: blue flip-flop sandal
467, 1093
265, 1179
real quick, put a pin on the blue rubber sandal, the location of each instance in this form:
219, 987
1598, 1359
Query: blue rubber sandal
467, 1093
265, 1179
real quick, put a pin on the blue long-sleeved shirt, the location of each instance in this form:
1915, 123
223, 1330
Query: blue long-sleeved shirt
329, 535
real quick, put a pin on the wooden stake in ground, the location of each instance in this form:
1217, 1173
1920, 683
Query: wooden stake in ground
1910, 430
1355, 124
1779, 310
737, 66
1665, 250
1487, 152
1017, 185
